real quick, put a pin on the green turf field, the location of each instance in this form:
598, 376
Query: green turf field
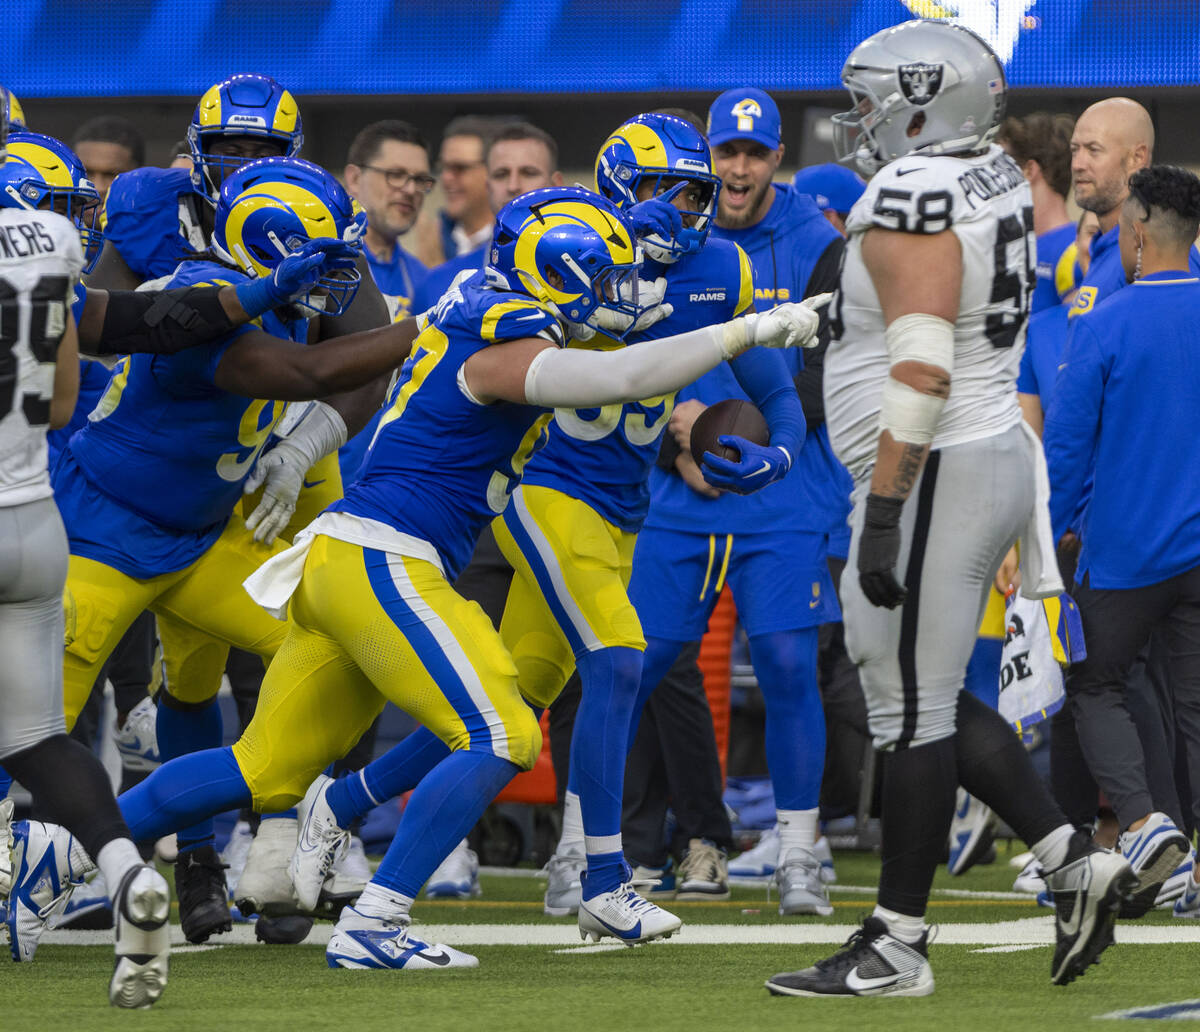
991, 968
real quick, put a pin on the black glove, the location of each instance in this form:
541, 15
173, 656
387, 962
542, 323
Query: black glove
878, 550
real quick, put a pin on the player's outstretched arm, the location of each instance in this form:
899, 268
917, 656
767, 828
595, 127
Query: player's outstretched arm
920, 307
258, 365
533, 371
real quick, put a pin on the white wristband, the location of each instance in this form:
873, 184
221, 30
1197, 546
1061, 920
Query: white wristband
321, 431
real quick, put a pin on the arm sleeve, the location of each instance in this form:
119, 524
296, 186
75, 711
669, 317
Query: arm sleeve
1072, 424
763, 375
825, 277
160, 322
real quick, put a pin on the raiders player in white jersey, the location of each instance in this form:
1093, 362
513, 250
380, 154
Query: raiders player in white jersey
40, 262
920, 400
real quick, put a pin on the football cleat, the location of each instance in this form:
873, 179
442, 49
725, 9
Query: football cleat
1188, 904
703, 872
1087, 892
321, 843
6, 846
972, 832
562, 886
1155, 851
625, 915
283, 930
137, 740
823, 852
88, 908
363, 942
654, 882
47, 866
345, 882
1175, 885
871, 963
759, 862
1032, 878
801, 890
456, 877
265, 887
141, 906
234, 855
203, 898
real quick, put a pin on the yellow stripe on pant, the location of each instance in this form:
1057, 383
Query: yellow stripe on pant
367, 627
570, 593
206, 597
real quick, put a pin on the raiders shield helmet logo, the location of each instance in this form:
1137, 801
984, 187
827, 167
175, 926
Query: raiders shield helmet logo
920, 82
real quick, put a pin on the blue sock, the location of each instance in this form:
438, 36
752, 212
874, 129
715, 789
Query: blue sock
610, 679
659, 657
184, 791
785, 663
5, 782
180, 733
397, 771
442, 809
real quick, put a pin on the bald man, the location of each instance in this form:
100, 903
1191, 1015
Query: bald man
1113, 139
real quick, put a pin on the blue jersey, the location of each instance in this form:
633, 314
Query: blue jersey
1130, 391
438, 281
398, 279
93, 377
1045, 335
152, 218
784, 248
167, 449
602, 455
1057, 271
442, 465
1106, 274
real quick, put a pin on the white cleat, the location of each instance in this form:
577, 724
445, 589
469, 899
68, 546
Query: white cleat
972, 832
321, 843
349, 875
759, 862
265, 887
1032, 878
823, 852
456, 877
801, 888
6, 847
137, 740
563, 871
625, 915
47, 866
362, 942
141, 906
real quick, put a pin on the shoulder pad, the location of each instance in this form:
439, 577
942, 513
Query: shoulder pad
145, 187
202, 273
512, 317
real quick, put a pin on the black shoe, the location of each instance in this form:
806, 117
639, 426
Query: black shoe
1087, 891
200, 886
871, 963
283, 931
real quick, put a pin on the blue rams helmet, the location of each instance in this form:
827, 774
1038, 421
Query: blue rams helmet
44, 173
243, 105
273, 206
665, 151
568, 248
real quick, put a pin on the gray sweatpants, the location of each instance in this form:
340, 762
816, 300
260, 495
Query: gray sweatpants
33, 570
966, 510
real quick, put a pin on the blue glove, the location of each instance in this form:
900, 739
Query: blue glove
297, 274
658, 216
758, 466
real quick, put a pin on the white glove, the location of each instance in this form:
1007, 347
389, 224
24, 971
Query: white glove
791, 325
650, 297
280, 472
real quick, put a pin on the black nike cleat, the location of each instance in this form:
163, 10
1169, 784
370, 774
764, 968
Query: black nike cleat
871, 963
200, 886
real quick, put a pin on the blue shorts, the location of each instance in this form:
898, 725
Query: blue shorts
780, 581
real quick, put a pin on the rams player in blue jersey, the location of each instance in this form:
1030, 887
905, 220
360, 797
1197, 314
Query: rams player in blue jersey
371, 612
570, 529
188, 425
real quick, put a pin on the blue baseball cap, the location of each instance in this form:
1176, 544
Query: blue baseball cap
833, 187
745, 114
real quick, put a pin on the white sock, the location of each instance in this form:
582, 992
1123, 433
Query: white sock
901, 926
1051, 850
377, 901
115, 860
797, 830
571, 840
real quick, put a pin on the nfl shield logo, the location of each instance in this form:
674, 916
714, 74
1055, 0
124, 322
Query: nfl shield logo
920, 82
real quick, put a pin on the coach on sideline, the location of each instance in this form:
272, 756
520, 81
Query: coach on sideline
1129, 387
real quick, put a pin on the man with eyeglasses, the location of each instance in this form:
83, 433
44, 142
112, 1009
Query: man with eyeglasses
387, 172
466, 216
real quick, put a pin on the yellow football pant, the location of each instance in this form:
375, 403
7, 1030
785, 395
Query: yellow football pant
366, 627
570, 593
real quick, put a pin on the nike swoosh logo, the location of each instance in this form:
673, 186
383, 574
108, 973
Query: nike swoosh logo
627, 933
314, 483
814, 603
765, 468
532, 315
441, 959
1072, 927
906, 171
858, 984
1062, 367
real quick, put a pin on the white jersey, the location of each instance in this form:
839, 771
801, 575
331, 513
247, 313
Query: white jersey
987, 203
40, 263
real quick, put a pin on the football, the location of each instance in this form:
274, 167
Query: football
731, 416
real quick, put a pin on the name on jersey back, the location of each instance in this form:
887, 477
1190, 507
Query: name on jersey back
996, 178
24, 240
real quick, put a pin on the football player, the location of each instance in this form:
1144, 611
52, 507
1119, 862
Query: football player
571, 528
188, 424
372, 614
928, 328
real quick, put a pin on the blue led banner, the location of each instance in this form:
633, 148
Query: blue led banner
64, 48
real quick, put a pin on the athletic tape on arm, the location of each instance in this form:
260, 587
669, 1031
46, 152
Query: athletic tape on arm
911, 415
